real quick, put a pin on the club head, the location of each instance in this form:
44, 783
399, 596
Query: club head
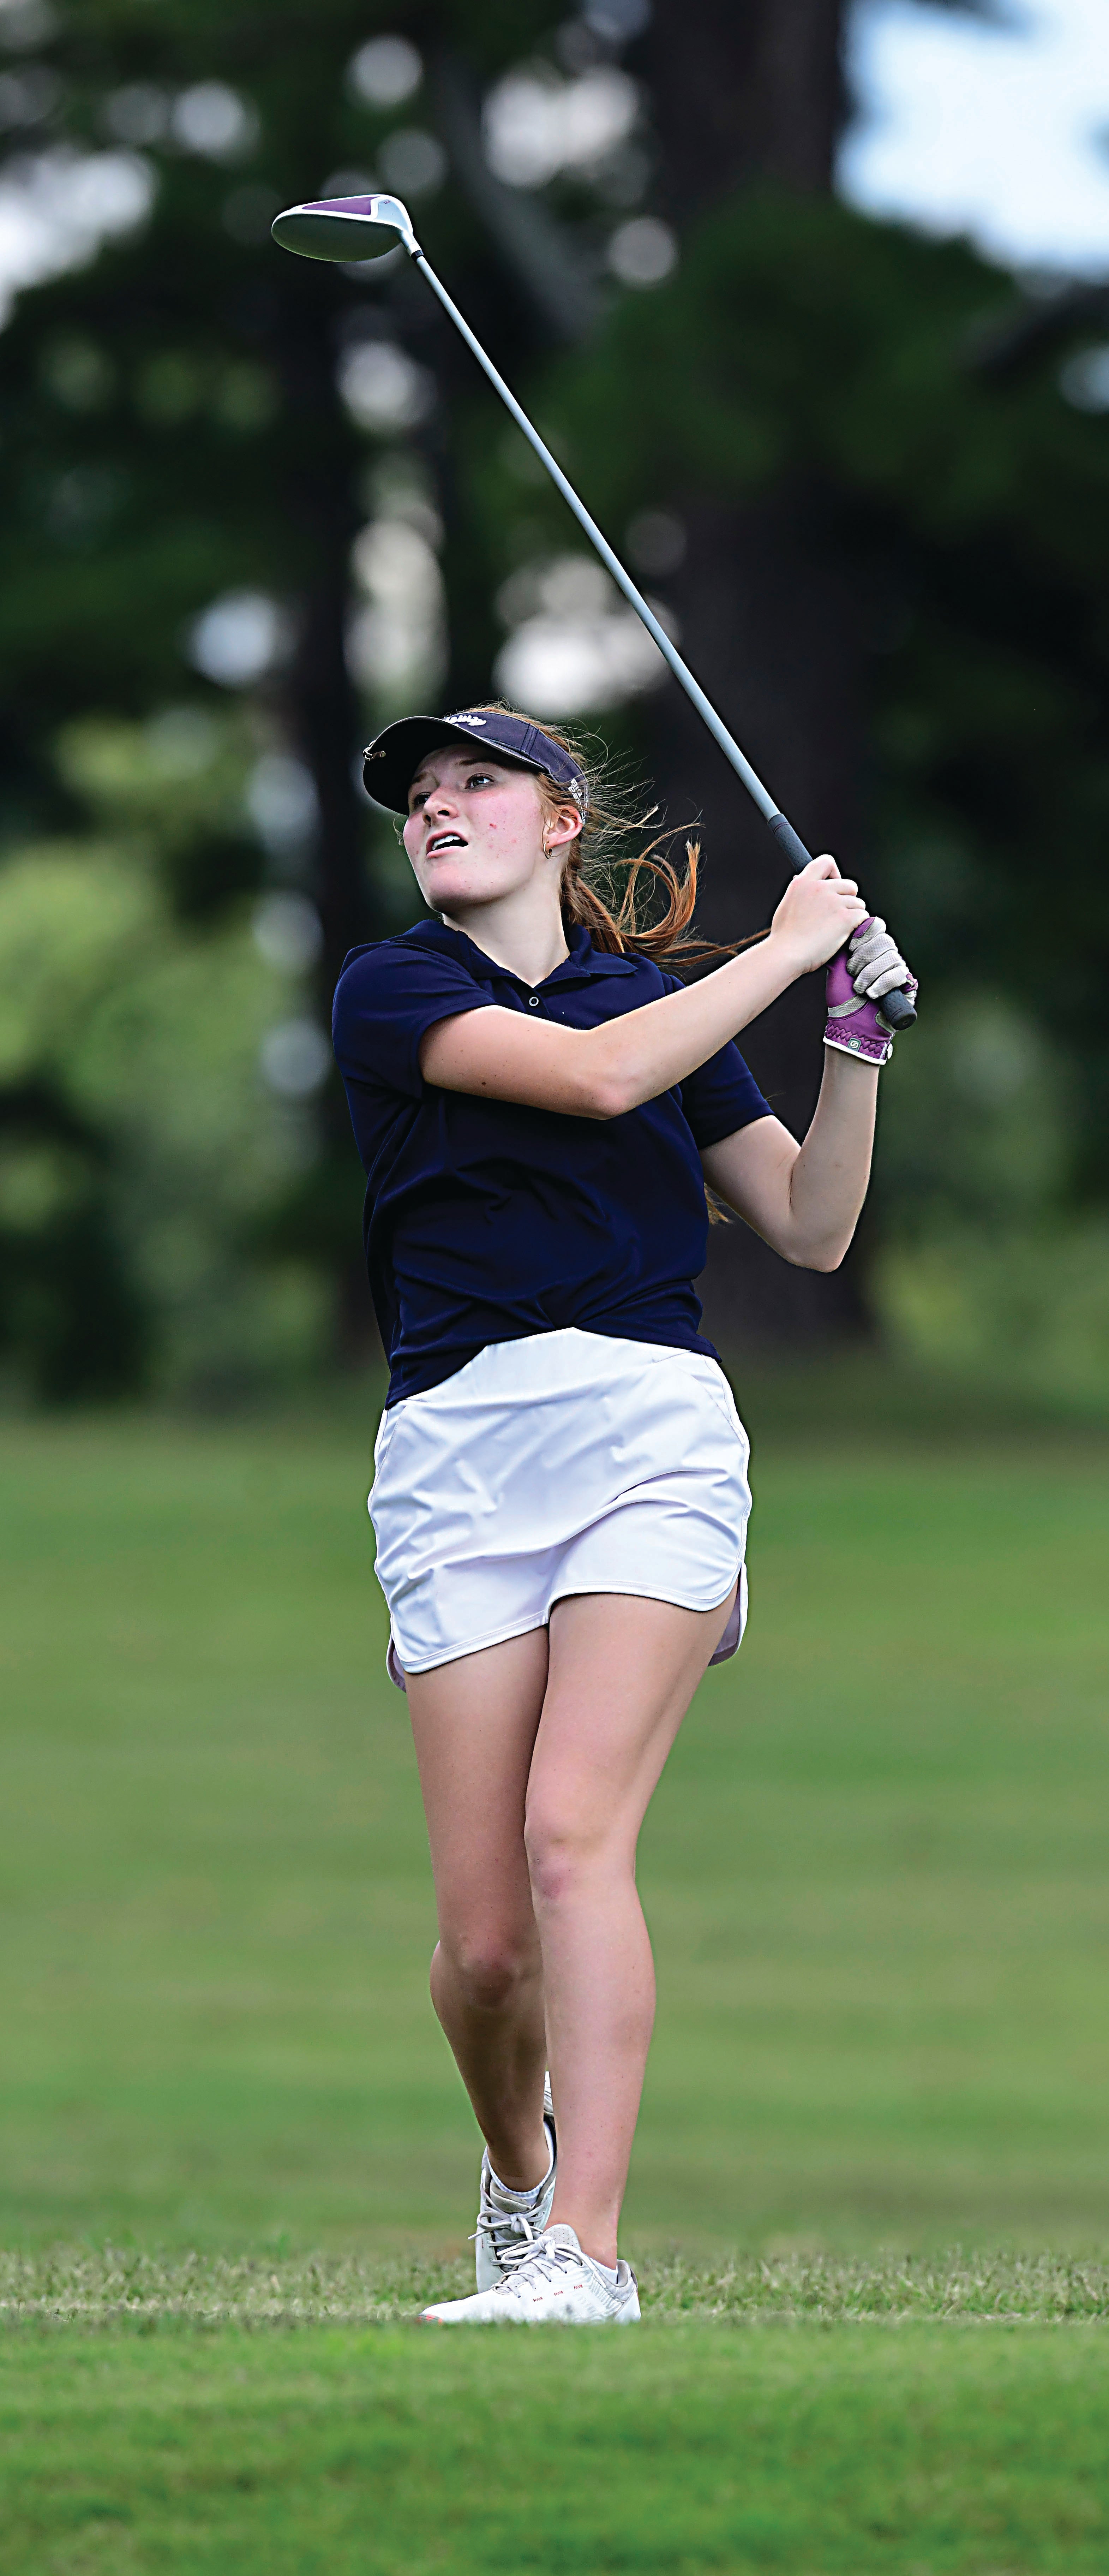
345, 228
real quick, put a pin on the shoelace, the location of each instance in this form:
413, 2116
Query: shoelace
515, 2223
549, 2260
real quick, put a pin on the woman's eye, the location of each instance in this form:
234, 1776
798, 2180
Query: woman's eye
481, 778
416, 803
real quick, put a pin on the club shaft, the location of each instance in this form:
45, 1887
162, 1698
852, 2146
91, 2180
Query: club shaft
611, 561
897, 1006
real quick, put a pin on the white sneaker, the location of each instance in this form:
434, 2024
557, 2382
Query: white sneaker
509, 2221
549, 2284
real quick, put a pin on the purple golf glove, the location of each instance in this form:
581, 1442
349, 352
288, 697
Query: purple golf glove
859, 975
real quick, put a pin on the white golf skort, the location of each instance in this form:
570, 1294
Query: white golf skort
565, 1462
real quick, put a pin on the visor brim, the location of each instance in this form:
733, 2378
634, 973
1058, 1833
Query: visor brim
390, 764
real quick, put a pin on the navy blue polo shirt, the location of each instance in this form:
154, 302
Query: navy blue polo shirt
486, 1220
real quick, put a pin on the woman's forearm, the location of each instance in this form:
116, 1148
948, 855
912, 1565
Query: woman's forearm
633, 1059
606, 1071
831, 1175
805, 1200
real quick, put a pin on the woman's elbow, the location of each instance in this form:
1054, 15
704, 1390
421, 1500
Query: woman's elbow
605, 1094
811, 1252
823, 1256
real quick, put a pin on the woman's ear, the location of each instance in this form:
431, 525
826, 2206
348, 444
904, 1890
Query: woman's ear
563, 827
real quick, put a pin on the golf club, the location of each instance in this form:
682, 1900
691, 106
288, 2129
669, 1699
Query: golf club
358, 228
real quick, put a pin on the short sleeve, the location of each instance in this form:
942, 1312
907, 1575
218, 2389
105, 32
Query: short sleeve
386, 999
721, 1096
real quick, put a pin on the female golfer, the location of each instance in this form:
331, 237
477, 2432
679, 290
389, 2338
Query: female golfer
560, 1494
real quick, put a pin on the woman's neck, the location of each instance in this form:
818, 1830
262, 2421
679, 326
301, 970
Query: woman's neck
528, 942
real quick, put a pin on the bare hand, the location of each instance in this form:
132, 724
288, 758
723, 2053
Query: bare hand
817, 913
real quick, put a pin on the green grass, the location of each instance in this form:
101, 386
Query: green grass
233, 2151
344, 2452
875, 1868
113, 2290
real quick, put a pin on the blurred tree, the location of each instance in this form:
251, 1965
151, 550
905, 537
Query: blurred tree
187, 428
939, 462
140, 1150
56, 1229
767, 605
857, 453
760, 94
226, 469
765, 593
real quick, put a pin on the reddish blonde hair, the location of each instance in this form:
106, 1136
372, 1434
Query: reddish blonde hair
603, 885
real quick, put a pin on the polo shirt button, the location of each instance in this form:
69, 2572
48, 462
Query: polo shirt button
533, 1001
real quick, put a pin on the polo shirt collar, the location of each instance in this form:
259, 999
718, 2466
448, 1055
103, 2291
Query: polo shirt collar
584, 965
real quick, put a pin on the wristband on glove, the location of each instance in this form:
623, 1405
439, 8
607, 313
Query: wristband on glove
855, 1023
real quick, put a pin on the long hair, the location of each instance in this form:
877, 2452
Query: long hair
635, 901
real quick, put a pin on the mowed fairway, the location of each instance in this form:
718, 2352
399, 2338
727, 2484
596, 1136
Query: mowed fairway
328, 2454
876, 1868
877, 1880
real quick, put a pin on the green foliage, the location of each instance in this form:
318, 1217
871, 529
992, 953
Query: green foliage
173, 430
975, 1121
175, 789
67, 1301
855, 368
139, 1150
1023, 1309
799, 338
984, 1268
171, 423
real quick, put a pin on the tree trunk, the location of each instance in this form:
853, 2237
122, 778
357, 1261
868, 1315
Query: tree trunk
324, 519
742, 90
754, 91
324, 729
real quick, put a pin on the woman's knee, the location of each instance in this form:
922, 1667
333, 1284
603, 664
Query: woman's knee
566, 1845
488, 1961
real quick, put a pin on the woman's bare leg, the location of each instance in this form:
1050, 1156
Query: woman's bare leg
474, 1723
622, 1674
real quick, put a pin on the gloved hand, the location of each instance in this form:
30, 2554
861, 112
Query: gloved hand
874, 961
869, 966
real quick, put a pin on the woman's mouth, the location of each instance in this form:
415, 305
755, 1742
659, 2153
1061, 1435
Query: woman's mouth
445, 841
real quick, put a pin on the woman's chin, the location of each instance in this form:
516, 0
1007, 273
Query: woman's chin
449, 889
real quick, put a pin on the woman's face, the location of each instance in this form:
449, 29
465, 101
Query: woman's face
476, 830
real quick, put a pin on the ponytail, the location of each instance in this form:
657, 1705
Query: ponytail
665, 935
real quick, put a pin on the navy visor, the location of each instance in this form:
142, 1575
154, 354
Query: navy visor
393, 757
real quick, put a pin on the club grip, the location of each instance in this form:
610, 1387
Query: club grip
790, 843
896, 1008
